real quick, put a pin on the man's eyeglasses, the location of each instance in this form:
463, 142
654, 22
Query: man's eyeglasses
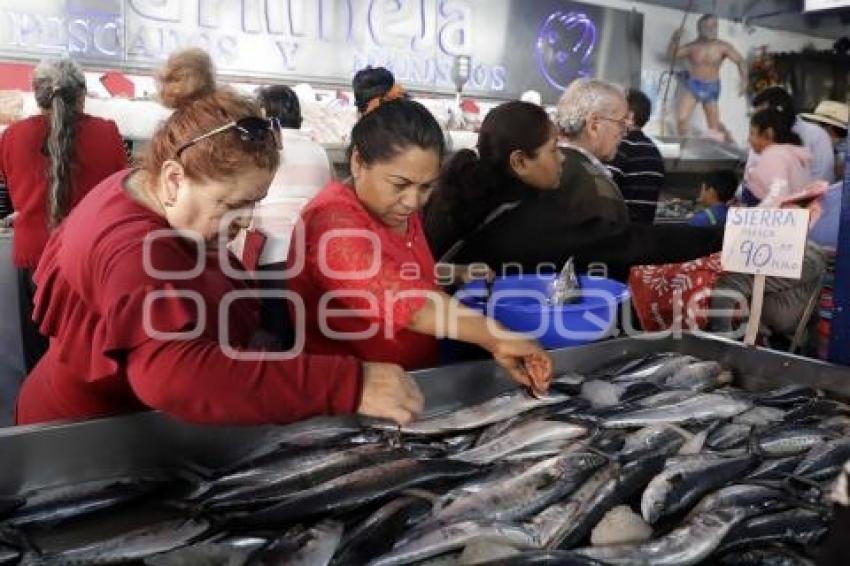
252, 129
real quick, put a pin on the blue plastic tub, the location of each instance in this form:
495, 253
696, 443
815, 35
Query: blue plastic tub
520, 303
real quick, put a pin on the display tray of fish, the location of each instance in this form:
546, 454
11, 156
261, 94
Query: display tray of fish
648, 460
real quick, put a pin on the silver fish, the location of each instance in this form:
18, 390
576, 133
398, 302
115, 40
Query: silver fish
135, 545
453, 537
760, 416
776, 468
702, 407
685, 479
528, 434
651, 439
320, 543
699, 376
689, 544
355, 489
791, 439
525, 494
565, 524
233, 552
824, 461
657, 372
738, 495
499, 408
731, 435
797, 526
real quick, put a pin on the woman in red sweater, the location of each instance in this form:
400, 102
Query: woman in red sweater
362, 266
50, 161
144, 304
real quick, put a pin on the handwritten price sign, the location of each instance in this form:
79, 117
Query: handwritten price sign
765, 241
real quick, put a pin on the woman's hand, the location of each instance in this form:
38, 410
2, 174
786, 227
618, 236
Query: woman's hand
389, 393
525, 361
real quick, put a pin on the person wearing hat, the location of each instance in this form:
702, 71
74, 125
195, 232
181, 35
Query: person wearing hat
833, 116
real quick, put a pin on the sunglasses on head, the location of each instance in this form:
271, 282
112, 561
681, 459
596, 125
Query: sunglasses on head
252, 129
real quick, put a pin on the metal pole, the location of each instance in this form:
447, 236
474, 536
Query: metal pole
839, 345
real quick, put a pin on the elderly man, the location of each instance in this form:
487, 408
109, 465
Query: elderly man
586, 217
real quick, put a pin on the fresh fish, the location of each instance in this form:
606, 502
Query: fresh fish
702, 407
840, 424
813, 411
353, 490
317, 549
650, 440
564, 524
452, 537
499, 408
731, 435
760, 416
630, 365
544, 558
47, 507
561, 409
739, 495
233, 552
776, 468
699, 376
666, 398
797, 526
539, 486
824, 461
377, 534
688, 544
787, 396
525, 435
602, 393
657, 371
263, 486
134, 545
788, 440
685, 479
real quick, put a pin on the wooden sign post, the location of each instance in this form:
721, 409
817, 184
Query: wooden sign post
766, 242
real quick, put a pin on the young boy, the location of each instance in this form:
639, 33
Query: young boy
715, 194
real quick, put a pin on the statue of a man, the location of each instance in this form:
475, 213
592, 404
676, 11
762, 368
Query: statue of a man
702, 82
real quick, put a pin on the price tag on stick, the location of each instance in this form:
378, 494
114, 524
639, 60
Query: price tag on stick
764, 242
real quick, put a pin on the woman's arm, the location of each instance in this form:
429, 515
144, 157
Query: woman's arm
444, 316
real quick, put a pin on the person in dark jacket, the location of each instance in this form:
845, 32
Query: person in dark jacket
585, 217
638, 168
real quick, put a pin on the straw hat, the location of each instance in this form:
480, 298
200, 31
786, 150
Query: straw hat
830, 112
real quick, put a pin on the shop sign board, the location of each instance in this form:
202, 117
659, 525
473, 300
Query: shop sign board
513, 45
765, 241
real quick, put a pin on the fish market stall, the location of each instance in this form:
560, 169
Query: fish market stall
597, 453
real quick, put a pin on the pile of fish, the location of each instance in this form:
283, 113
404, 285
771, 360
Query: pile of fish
656, 460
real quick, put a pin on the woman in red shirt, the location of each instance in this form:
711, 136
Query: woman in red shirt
50, 161
361, 263
146, 308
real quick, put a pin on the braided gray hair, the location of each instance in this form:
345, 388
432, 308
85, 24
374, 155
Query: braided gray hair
59, 87
581, 99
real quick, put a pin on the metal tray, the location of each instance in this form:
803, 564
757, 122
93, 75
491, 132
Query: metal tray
42, 455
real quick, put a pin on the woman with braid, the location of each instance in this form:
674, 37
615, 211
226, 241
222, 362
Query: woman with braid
50, 161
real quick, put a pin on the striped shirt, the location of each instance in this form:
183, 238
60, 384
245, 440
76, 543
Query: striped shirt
638, 170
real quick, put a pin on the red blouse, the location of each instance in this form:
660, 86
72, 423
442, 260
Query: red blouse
372, 279
23, 163
98, 303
